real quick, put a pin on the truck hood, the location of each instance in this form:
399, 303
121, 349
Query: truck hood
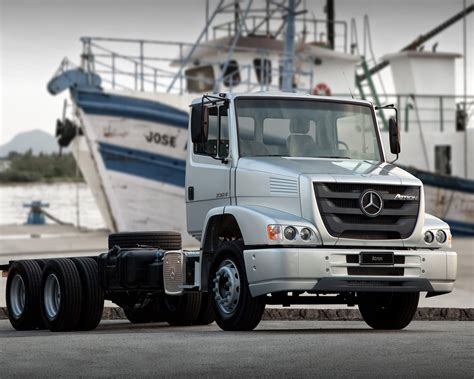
325, 168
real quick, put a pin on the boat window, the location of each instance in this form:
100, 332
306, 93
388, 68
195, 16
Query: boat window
443, 159
200, 79
215, 134
231, 74
263, 70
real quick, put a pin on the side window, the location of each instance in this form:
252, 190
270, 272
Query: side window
215, 134
263, 70
246, 128
231, 74
200, 79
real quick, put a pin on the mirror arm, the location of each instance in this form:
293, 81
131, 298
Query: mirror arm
396, 159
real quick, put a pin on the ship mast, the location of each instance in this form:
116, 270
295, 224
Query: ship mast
287, 82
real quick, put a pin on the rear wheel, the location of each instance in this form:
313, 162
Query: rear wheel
150, 311
92, 294
61, 295
159, 240
206, 314
388, 310
182, 310
234, 307
23, 295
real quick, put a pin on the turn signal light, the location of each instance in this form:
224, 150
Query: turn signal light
275, 232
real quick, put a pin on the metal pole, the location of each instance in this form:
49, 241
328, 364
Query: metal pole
287, 82
113, 70
141, 66
267, 11
181, 62
330, 23
207, 19
464, 27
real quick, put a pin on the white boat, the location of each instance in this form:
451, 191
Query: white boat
128, 119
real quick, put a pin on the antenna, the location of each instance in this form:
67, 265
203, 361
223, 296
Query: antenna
348, 86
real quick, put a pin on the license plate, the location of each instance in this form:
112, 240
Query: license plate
382, 258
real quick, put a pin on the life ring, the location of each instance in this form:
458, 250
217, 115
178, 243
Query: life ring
321, 89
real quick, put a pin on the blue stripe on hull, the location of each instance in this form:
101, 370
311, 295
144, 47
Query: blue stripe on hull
442, 181
461, 228
104, 104
141, 163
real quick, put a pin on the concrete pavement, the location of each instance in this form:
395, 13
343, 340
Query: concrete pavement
275, 348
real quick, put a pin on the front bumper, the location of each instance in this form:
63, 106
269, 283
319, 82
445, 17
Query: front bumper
327, 270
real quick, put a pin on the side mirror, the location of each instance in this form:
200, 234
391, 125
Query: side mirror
394, 134
199, 123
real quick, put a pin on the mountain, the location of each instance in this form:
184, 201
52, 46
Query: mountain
36, 140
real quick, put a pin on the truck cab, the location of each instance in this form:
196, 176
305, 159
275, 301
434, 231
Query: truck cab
298, 187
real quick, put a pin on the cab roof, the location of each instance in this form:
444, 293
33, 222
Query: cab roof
283, 95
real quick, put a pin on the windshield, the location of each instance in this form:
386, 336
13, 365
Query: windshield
306, 128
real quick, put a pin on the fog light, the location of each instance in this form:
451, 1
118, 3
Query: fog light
305, 234
274, 233
429, 237
441, 236
290, 233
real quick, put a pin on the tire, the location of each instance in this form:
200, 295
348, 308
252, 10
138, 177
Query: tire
242, 311
61, 281
150, 312
182, 310
23, 295
388, 310
159, 240
206, 314
92, 294
41, 262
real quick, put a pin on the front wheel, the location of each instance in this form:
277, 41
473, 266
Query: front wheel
388, 310
234, 307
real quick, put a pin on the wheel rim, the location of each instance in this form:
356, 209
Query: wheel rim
17, 296
52, 296
227, 287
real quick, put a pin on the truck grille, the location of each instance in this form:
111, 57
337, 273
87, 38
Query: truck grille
341, 212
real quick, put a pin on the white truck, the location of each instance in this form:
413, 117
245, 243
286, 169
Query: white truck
293, 202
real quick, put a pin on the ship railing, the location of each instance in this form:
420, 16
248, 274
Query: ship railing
141, 71
436, 112
273, 27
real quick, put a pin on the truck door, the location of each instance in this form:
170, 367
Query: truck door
208, 170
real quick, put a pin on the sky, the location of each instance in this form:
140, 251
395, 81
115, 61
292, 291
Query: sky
35, 35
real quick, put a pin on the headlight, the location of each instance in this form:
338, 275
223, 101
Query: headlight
305, 234
429, 237
290, 233
441, 236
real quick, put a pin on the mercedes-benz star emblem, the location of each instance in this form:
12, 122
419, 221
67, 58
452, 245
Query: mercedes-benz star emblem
371, 203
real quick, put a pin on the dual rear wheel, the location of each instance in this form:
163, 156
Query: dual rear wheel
62, 296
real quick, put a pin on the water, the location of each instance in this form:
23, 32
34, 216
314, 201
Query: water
62, 198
